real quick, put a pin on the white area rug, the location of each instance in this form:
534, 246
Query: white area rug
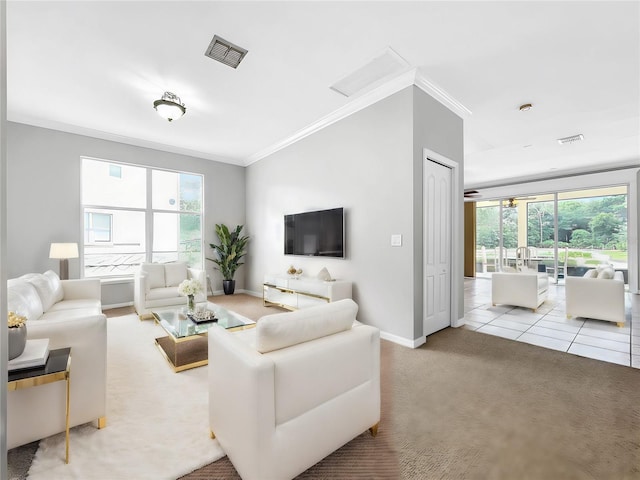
157, 420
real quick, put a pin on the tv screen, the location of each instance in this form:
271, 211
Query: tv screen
315, 234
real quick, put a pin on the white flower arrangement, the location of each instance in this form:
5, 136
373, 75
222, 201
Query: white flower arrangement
15, 320
189, 287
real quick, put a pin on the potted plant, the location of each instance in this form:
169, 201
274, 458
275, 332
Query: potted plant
230, 251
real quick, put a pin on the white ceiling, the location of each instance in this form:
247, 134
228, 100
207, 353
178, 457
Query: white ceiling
96, 67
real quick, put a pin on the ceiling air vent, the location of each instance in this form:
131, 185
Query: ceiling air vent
225, 52
572, 139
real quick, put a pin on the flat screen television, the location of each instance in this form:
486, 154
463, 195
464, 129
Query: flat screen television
315, 234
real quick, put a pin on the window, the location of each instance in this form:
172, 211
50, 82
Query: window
133, 214
565, 233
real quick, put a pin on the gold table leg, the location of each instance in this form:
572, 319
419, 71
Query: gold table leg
66, 458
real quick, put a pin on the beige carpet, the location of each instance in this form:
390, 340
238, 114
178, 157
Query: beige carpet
473, 406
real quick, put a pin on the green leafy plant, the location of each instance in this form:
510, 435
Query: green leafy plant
230, 251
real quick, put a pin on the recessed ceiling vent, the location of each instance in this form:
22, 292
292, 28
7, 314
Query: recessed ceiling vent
225, 52
383, 67
572, 139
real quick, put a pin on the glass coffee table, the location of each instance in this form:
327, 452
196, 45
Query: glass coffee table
186, 345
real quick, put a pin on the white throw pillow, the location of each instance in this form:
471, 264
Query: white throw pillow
154, 273
175, 273
281, 330
56, 285
606, 273
506, 269
591, 273
49, 291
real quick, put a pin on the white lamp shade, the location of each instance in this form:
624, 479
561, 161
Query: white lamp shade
63, 250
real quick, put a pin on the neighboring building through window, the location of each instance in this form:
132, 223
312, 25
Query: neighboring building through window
133, 214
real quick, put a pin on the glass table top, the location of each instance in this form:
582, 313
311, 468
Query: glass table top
178, 324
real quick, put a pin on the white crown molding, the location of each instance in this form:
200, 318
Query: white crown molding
404, 80
427, 85
136, 142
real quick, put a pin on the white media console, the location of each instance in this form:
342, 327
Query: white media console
296, 293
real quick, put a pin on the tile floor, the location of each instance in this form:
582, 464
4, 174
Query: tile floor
549, 326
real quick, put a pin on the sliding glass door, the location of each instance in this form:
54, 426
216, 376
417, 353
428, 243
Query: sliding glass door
563, 234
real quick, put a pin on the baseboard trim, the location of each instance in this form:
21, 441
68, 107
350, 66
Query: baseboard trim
239, 290
405, 342
117, 305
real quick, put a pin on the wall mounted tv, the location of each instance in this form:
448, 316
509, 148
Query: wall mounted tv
315, 234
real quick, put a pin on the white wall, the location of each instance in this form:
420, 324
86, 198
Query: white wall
366, 163
3, 238
44, 196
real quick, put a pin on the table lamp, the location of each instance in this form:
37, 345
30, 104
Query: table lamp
64, 251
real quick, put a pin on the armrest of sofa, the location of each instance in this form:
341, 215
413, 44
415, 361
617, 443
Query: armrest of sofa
82, 288
139, 292
241, 396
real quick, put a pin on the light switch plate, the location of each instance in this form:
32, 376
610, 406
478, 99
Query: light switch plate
396, 240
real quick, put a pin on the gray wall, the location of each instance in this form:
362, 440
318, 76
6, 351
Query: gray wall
44, 196
367, 164
439, 129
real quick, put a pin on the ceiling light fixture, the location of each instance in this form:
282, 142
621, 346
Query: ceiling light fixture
169, 106
526, 107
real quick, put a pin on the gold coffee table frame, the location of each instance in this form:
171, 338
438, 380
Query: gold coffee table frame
42, 376
187, 338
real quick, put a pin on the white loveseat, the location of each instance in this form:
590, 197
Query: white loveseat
528, 289
300, 385
69, 314
156, 285
600, 296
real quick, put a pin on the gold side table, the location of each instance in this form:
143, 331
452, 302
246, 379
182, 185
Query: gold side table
57, 368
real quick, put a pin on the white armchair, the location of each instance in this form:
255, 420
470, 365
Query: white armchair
300, 385
156, 285
597, 298
521, 289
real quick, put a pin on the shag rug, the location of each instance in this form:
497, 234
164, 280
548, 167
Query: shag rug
157, 420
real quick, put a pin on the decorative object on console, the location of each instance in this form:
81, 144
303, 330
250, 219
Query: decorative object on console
324, 275
169, 106
189, 288
230, 251
292, 270
17, 334
64, 251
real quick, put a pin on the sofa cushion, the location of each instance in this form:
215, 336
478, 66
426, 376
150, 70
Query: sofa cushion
285, 329
591, 273
48, 286
174, 273
81, 303
606, 273
154, 273
23, 298
164, 292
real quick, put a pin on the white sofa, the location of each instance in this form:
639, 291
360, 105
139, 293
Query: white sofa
156, 285
598, 298
69, 314
528, 289
300, 385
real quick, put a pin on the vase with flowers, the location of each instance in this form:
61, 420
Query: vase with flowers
17, 334
190, 288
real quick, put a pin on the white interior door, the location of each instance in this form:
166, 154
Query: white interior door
437, 247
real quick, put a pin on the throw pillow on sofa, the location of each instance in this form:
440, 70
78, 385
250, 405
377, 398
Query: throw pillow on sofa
606, 273
175, 273
154, 273
591, 273
281, 330
48, 286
